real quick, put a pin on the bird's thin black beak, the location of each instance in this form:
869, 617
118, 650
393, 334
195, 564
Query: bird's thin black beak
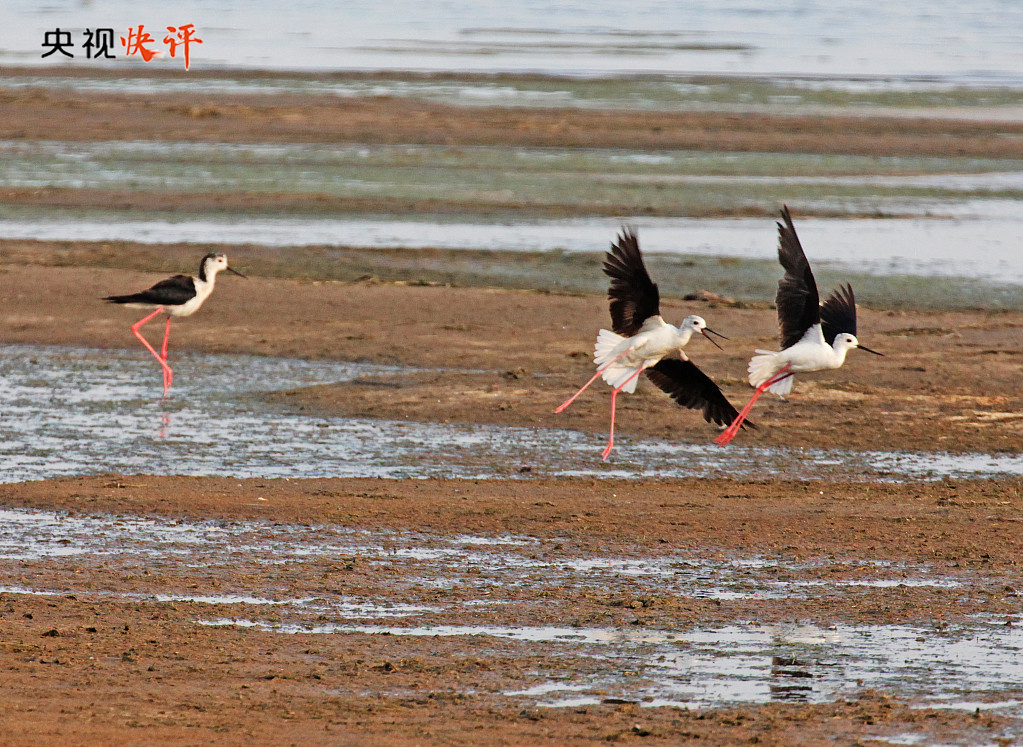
704, 332
231, 269
870, 351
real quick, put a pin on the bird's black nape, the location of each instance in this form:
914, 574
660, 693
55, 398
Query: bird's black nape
633, 295
202, 265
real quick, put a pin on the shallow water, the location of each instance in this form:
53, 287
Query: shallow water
68, 411
951, 210
910, 96
710, 667
911, 246
966, 43
972, 664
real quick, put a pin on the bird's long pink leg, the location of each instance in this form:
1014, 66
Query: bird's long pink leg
730, 432
163, 363
600, 370
614, 397
168, 372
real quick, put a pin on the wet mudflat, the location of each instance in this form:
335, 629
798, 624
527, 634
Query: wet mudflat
550, 592
355, 607
566, 603
72, 411
356, 519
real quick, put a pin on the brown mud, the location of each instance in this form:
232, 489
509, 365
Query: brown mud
143, 671
85, 669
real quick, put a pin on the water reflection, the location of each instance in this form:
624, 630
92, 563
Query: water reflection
954, 43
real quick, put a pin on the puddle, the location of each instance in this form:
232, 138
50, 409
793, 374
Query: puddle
285, 579
69, 411
424, 559
754, 664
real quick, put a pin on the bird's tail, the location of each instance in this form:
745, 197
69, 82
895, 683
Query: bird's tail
764, 366
607, 348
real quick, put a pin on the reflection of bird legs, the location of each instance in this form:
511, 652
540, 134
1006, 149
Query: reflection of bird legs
168, 374
164, 423
600, 370
729, 433
614, 396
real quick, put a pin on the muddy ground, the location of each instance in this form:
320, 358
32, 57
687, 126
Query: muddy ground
142, 671
948, 380
86, 671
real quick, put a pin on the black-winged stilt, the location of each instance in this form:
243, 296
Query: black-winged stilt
641, 340
814, 337
180, 295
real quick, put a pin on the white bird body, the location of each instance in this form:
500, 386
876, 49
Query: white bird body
811, 353
179, 295
806, 325
201, 290
622, 358
642, 343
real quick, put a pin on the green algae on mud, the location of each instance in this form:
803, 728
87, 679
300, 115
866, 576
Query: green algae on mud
317, 179
651, 92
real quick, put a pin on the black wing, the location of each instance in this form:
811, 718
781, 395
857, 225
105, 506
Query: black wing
838, 314
692, 388
634, 296
797, 300
173, 291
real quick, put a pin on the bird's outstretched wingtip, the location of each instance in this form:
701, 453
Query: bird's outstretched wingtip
626, 240
786, 219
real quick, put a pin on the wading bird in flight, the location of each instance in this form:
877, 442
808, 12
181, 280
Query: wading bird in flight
641, 341
814, 337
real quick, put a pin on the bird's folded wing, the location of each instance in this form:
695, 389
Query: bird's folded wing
173, 291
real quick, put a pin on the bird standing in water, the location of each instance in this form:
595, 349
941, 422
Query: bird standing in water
180, 295
642, 340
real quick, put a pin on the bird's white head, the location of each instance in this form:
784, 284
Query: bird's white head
845, 342
694, 323
212, 264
